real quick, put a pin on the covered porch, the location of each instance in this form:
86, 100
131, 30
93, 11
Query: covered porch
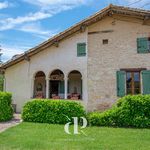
58, 85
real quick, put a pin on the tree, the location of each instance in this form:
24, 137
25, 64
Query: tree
1, 73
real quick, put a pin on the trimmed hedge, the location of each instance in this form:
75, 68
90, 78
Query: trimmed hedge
51, 111
130, 111
6, 110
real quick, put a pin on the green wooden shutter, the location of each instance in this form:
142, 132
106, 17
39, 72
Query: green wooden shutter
142, 45
61, 87
121, 83
146, 81
81, 49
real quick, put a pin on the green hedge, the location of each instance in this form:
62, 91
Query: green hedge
130, 111
6, 110
51, 111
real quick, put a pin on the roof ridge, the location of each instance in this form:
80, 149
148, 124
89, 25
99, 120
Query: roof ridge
77, 27
129, 8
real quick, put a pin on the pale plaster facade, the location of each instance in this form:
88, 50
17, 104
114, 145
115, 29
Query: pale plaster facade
98, 67
19, 79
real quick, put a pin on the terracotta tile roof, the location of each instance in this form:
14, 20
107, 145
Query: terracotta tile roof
79, 27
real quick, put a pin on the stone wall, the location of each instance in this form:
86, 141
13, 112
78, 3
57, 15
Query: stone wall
105, 59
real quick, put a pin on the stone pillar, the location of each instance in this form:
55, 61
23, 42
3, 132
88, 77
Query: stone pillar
85, 92
4, 85
32, 88
47, 88
84, 89
66, 87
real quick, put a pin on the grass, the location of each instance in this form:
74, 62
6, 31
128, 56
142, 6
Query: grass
31, 136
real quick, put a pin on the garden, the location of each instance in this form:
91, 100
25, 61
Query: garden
125, 126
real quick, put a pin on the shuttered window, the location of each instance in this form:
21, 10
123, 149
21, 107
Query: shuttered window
121, 83
143, 45
81, 49
146, 81
129, 82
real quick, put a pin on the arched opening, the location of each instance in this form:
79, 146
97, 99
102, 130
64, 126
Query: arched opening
75, 85
57, 85
40, 85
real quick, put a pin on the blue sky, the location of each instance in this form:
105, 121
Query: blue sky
26, 23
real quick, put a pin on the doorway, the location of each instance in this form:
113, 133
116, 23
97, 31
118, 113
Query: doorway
54, 88
57, 84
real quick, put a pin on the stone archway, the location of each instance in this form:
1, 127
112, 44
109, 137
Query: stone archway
56, 84
40, 85
75, 85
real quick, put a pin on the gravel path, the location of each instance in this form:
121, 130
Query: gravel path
5, 125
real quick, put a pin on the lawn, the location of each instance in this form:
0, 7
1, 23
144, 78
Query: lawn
31, 136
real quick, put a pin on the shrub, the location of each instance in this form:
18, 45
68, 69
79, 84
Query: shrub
6, 110
51, 111
130, 111
97, 118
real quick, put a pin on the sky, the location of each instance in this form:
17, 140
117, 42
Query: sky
27, 23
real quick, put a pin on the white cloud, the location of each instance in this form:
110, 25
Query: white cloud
48, 9
10, 23
36, 28
29, 22
10, 51
4, 5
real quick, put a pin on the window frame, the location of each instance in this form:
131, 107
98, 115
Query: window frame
105, 41
132, 71
133, 82
139, 40
81, 54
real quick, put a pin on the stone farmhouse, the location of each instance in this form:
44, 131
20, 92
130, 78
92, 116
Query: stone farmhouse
96, 61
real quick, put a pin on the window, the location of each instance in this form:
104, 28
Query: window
133, 83
105, 41
129, 82
81, 49
143, 45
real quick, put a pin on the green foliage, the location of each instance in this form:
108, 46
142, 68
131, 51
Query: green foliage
51, 111
130, 111
6, 110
